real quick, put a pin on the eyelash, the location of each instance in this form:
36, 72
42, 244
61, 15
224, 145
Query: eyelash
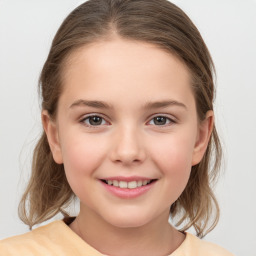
91, 116
168, 119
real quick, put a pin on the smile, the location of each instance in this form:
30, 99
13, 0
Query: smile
131, 184
128, 188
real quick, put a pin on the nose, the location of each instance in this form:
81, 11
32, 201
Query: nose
128, 147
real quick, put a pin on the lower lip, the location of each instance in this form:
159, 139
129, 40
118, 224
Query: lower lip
128, 193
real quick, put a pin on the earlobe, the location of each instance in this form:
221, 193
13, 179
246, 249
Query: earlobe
203, 137
52, 135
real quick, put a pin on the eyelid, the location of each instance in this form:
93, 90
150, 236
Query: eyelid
172, 119
84, 117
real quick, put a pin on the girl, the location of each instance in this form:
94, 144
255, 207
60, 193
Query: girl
127, 110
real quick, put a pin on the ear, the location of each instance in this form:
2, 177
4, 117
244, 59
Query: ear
203, 136
51, 131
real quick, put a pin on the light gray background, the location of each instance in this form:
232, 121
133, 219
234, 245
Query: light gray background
229, 29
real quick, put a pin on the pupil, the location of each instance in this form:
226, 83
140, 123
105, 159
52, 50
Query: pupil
160, 120
95, 120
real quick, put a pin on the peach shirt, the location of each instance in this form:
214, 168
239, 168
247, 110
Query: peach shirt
57, 238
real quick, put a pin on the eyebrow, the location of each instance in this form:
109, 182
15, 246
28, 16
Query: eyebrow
148, 105
164, 104
91, 103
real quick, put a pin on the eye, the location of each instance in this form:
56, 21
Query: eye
94, 120
160, 121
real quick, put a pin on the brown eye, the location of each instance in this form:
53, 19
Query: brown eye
160, 121
94, 121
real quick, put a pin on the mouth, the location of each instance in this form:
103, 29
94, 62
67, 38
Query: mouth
128, 185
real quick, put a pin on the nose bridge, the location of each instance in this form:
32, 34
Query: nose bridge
128, 146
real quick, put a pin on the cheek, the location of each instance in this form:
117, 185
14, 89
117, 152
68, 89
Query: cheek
81, 157
174, 150
173, 156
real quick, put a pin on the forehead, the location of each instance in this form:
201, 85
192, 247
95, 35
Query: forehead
125, 54
121, 66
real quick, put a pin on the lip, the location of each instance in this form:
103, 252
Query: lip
127, 179
126, 193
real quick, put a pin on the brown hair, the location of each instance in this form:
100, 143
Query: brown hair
154, 21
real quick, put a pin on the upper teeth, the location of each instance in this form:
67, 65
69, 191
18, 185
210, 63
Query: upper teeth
131, 184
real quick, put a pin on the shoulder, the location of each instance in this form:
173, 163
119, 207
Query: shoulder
192, 245
53, 239
34, 242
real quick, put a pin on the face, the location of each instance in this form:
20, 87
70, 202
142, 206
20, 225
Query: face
126, 130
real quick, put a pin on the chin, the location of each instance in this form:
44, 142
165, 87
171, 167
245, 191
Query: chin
128, 220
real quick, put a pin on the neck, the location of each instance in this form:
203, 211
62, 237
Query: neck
155, 238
